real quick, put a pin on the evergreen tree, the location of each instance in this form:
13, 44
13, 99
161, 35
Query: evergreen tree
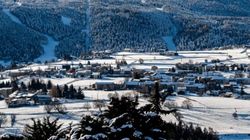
72, 91
14, 86
66, 91
79, 94
59, 92
156, 101
132, 123
119, 106
42, 130
49, 84
44, 88
88, 63
156, 98
23, 86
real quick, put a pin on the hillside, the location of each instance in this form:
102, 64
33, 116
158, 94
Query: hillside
195, 25
78, 25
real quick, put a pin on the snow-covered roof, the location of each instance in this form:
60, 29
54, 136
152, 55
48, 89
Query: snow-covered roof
104, 82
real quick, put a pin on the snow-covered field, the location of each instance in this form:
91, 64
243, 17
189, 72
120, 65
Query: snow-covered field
184, 56
216, 112
161, 61
75, 109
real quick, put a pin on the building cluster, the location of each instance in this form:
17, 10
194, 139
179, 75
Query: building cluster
207, 78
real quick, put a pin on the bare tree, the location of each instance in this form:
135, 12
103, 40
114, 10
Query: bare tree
99, 104
141, 61
187, 104
60, 108
3, 119
87, 106
13, 119
48, 108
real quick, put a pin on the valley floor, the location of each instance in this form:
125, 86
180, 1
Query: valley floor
214, 112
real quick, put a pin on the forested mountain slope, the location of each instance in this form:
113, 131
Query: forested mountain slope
119, 24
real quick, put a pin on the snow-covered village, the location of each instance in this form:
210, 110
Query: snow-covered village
210, 89
124, 70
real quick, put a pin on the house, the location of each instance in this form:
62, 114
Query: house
83, 73
196, 88
147, 86
5, 92
105, 85
96, 75
127, 72
66, 66
135, 84
20, 98
127, 50
43, 99
71, 73
17, 102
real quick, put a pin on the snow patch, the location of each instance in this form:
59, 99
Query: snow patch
19, 3
151, 114
66, 20
137, 134
49, 50
127, 126
11, 16
5, 63
160, 8
170, 43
